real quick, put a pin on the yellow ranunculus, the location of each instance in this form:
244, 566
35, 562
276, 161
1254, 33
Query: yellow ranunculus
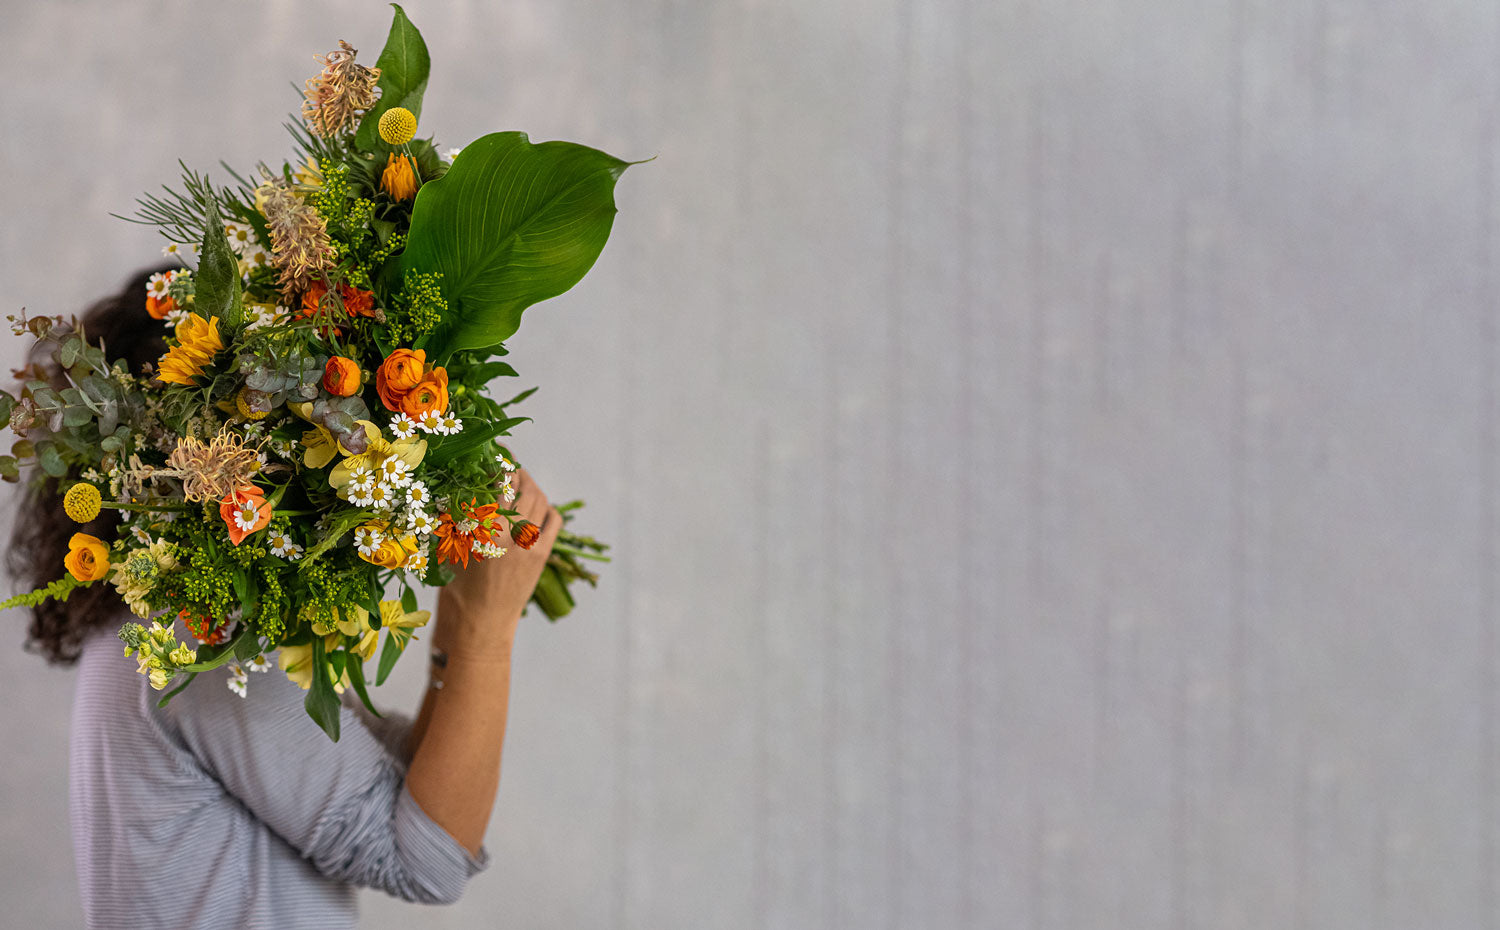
87, 558
393, 553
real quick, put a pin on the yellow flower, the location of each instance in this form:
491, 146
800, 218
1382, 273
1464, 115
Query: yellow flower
318, 444
198, 342
401, 624
376, 452
87, 558
356, 622
296, 661
397, 126
398, 179
82, 502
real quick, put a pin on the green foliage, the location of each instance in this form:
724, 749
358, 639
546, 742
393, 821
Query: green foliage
59, 589
322, 703
510, 224
217, 282
404, 66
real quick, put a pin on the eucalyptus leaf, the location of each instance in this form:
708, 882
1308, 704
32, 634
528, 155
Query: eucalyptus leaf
404, 67
51, 461
510, 224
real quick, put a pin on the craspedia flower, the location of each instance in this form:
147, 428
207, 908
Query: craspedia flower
397, 126
398, 179
82, 502
525, 533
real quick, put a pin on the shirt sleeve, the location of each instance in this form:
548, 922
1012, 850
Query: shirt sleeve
344, 806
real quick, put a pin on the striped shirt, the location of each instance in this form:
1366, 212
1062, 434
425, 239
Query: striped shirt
223, 811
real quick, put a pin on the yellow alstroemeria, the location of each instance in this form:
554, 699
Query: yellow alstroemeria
400, 622
377, 450
296, 661
318, 445
356, 622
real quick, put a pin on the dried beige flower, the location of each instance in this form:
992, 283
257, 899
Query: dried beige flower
339, 94
300, 247
211, 470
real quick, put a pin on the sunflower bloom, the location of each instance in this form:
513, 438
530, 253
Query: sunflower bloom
198, 342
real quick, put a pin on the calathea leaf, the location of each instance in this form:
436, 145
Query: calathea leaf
510, 224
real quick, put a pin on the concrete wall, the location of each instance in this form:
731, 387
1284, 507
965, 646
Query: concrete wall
1051, 447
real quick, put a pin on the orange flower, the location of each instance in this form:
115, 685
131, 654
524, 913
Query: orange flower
356, 301
204, 629
401, 371
341, 376
398, 179
431, 393
525, 533
244, 511
453, 545
159, 307
87, 558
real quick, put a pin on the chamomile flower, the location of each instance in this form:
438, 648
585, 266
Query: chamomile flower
247, 516
417, 564
452, 425
403, 426
505, 463
506, 490
394, 472
382, 497
420, 523
417, 494
175, 316
157, 284
237, 679
489, 550
363, 496
431, 422
283, 546
140, 534
361, 478
241, 237
367, 539
257, 664
452, 154
174, 250
257, 257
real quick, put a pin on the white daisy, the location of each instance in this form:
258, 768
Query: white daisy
367, 539
157, 284
417, 563
505, 463
237, 679
174, 250
452, 154
420, 523
241, 237
245, 516
431, 422
282, 545
403, 426
363, 496
257, 257
361, 478
382, 496
394, 472
174, 316
258, 664
452, 425
508, 491
417, 494
140, 534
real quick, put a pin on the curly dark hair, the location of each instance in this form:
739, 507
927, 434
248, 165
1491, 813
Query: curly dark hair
39, 537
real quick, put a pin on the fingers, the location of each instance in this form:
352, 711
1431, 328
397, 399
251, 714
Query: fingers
551, 524
530, 500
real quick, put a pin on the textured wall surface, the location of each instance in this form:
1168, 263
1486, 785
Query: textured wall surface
1052, 447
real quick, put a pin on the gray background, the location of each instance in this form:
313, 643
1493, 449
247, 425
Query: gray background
1051, 447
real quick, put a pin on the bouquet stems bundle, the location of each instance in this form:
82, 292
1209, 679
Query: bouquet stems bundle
319, 437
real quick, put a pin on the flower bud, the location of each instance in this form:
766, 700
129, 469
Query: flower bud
525, 533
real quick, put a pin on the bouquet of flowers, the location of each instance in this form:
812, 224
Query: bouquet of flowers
318, 434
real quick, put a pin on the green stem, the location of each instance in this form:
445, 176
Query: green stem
143, 508
581, 553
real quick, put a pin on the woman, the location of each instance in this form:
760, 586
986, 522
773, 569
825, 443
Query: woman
226, 811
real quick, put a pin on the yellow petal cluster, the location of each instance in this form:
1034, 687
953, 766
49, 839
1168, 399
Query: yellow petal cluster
198, 342
82, 502
397, 126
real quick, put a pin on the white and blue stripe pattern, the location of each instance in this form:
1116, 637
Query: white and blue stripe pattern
222, 811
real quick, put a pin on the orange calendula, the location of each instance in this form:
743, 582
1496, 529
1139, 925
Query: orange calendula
87, 558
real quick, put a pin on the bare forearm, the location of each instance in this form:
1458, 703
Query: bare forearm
459, 732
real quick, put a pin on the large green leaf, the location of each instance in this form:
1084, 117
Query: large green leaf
404, 66
216, 285
321, 703
510, 224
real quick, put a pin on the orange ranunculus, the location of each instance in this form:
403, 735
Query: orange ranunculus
356, 301
401, 371
431, 393
341, 376
87, 558
159, 307
244, 511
